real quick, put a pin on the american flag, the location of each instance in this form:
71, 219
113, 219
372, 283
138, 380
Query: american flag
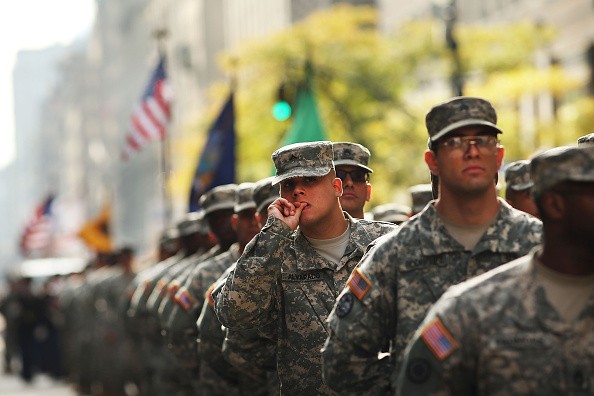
37, 236
152, 114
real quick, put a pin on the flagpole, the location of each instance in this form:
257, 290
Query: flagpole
160, 35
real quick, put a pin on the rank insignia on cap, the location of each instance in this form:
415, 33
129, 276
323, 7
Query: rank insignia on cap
439, 340
208, 295
185, 299
359, 284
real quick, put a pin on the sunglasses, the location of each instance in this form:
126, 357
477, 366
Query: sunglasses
357, 175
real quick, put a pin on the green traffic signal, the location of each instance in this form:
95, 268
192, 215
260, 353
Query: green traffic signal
281, 110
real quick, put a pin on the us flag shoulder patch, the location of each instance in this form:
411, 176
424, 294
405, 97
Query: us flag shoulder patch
185, 299
208, 295
359, 284
439, 340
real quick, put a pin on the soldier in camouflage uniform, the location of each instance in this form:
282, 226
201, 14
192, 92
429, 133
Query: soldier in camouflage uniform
287, 280
248, 351
525, 328
351, 163
468, 230
217, 375
518, 185
167, 376
586, 139
186, 303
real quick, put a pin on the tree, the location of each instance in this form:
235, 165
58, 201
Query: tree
375, 89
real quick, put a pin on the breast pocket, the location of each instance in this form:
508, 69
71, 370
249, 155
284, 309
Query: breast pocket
519, 364
308, 301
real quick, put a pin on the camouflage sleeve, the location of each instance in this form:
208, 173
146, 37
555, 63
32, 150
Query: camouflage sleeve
360, 329
210, 342
250, 352
247, 299
439, 358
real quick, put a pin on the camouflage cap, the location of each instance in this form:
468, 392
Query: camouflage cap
459, 112
587, 139
517, 175
244, 197
193, 222
347, 153
392, 212
265, 192
568, 163
420, 194
303, 159
221, 197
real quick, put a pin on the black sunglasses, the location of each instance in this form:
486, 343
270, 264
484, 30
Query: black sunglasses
357, 175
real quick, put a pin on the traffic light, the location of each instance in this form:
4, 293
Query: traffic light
282, 110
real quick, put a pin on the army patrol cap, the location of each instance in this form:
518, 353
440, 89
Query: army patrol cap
517, 175
347, 153
193, 222
221, 197
391, 212
459, 112
244, 197
420, 194
587, 139
265, 192
569, 163
303, 159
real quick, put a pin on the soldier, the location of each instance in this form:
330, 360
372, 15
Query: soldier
420, 195
392, 212
524, 328
248, 351
186, 304
468, 230
287, 279
586, 139
217, 376
162, 372
518, 186
351, 164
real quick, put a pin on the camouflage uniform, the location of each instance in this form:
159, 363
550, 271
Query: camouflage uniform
403, 274
253, 355
186, 303
283, 286
499, 334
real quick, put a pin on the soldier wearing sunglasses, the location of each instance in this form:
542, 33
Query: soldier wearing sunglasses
466, 231
351, 164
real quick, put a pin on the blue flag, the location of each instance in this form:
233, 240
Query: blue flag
216, 165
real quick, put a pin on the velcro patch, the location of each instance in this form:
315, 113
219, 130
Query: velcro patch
208, 295
173, 288
439, 340
185, 299
358, 284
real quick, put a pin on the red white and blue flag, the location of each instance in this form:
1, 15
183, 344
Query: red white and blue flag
438, 339
151, 116
36, 239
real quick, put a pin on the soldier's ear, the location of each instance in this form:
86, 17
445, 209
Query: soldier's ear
553, 205
431, 161
337, 185
234, 221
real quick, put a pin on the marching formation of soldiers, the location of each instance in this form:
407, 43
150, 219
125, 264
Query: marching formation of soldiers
286, 286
